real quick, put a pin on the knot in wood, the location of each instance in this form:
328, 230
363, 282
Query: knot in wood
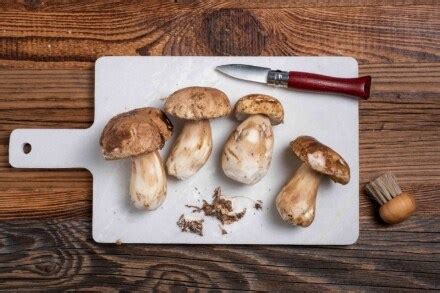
32, 4
234, 32
48, 268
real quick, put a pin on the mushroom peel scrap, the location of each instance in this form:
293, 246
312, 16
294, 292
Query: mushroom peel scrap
139, 134
248, 151
297, 199
193, 146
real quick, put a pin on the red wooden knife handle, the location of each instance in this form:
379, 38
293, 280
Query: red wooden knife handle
358, 87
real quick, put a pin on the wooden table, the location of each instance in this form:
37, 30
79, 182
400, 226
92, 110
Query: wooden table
47, 53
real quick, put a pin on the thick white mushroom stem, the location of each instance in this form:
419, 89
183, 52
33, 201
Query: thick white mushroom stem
296, 201
191, 149
148, 185
248, 152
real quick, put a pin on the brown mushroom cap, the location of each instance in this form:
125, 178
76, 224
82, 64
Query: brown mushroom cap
259, 104
135, 132
198, 103
321, 158
159, 118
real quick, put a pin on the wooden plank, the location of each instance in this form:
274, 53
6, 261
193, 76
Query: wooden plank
399, 124
61, 255
398, 132
113, 5
75, 39
265, 4
60, 89
59, 202
45, 215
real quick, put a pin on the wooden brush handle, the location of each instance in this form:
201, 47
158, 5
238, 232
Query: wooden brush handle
398, 209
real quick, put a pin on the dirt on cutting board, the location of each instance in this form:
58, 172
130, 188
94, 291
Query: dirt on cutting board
220, 208
192, 226
258, 205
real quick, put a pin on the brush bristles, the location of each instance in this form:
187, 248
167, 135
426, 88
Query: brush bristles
384, 188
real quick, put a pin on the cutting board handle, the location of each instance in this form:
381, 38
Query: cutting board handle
50, 148
357, 87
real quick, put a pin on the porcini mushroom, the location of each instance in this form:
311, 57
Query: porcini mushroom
248, 151
193, 146
139, 134
297, 199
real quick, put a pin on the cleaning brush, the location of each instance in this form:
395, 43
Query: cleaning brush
396, 206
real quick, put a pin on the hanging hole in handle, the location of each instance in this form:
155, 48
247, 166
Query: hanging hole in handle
27, 148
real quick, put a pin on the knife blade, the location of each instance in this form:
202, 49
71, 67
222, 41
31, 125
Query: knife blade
357, 87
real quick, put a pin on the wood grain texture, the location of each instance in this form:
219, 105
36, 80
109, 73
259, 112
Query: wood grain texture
76, 37
61, 255
47, 51
112, 5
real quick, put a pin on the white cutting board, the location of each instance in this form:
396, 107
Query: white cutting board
125, 83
